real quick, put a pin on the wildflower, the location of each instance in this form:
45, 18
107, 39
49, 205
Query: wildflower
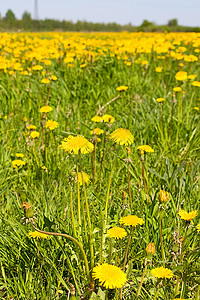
77, 143
46, 109
121, 88
31, 127
162, 272
86, 178
116, 232
18, 163
163, 196
196, 108
122, 136
83, 66
111, 277
51, 124
44, 168
96, 119
37, 235
198, 227
160, 99
20, 155
97, 131
181, 75
108, 119
144, 62
177, 89
37, 68
131, 220
187, 216
145, 148
192, 76
54, 77
28, 212
25, 119
196, 83
45, 80
47, 62
6, 117
35, 134
151, 249
159, 69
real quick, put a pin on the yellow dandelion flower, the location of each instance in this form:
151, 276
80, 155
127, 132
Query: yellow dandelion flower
159, 69
131, 220
162, 272
108, 119
163, 196
45, 80
46, 109
86, 178
160, 99
83, 66
181, 75
31, 127
47, 62
196, 108
196, 83
37, 235
198, 227
54, 77
20, 155
97, 131
150, 249
177, 89
44, 168
122, 136
187, 216
51, 124
77, 143
192, 76
37, 68
25, 119
145, 148
96, 119
121, 88
18, 163
178, 299
116, 232
144, 62
35, 134
111, 277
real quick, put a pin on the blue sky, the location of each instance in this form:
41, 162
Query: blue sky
120, 11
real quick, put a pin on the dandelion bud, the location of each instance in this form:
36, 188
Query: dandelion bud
124, 194
128, 150
163, 196
28, 212
151, 249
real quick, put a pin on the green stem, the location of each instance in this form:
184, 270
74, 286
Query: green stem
79, 203
88, 215
142, 279
129, 189
75, 241
108, 189
72, 212
161, 239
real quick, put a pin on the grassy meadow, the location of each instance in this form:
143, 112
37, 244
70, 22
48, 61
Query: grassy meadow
99, 164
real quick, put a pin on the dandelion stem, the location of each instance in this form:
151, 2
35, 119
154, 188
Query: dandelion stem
126, 255
72, 212
88, 215
78, 194
129, 187
181, 260
75, 241
161, 239
142, 279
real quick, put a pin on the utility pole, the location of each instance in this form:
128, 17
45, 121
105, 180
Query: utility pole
36, 17
36, 11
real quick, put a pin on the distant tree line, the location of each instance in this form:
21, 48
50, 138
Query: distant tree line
11, 23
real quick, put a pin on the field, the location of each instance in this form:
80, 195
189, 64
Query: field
99, 163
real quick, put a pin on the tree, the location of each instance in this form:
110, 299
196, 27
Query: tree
146, 23
10, 16
26, 16
173, 22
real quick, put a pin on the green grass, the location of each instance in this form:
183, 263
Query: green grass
45, 269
